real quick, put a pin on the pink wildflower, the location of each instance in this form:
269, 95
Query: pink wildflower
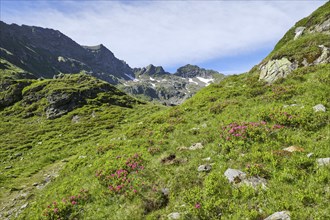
197, 206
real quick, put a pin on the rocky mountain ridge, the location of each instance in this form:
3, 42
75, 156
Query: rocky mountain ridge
45, 53
152, 83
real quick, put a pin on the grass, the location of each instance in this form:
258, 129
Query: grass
104, 142
242, 123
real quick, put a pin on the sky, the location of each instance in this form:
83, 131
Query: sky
227, 36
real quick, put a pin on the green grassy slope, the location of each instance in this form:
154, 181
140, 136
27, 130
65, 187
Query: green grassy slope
115, 161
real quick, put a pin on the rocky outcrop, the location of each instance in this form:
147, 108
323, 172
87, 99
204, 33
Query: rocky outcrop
299, 31
275, 69
11, 92
323, 27
325, 56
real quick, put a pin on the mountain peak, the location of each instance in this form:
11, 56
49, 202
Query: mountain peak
191, 71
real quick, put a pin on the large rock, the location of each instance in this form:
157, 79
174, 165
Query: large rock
254, 182
234, 175
283, 215
319, 108
324, 57
275, 69
324, 27
11, 92
240, 178
299, 31
323, 161
174, 215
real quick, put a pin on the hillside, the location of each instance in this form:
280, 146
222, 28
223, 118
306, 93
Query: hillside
46, 52
253, 146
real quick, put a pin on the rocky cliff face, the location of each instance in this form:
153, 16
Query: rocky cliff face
47, 52
305, 44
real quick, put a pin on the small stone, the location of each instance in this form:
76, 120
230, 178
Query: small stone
310, 155
174, 215
283, 215
319, 108
165, 191
305, 62
196, 146
18, 155
294, 149
65, 160
82, 157
75, 119
24, 206
8, 167
234, 175
323, 161
206, 159
204, 168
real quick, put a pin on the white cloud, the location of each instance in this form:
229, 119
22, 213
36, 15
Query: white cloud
169, 33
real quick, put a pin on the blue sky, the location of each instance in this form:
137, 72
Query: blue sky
227, 36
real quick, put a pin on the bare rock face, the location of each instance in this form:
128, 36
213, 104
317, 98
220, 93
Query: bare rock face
275, 69
325, 56
324, 27
283, 215
299, 31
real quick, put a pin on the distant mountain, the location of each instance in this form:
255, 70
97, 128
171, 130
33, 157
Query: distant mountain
46, 52
154, 84
191, 71
35, 52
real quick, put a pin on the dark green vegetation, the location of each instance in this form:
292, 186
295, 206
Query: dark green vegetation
111, 156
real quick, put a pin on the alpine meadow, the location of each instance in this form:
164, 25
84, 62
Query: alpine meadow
85, 136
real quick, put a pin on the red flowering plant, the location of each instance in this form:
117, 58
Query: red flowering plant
66, 208
248, 132
126, 178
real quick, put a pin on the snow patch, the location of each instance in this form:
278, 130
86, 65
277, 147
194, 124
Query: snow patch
152, 79
153, 85
204, 80
192, 81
